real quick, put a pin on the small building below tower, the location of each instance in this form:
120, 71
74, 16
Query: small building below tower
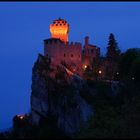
90, 53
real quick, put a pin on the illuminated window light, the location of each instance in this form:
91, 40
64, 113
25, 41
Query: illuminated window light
20, 117
100, 71
85, 66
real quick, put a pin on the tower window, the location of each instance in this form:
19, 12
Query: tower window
56, 24
60, 24
71, 55
64, 55
79, 56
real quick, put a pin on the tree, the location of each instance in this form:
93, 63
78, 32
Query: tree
95, 66
112, 58
130, 64
113, 51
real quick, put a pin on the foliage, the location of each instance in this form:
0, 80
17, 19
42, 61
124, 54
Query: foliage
114, 117
112, 58
112, 50
95, 66
135, 69
130, 64
92, 72
48, 129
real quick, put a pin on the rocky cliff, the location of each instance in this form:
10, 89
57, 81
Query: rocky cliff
56, 93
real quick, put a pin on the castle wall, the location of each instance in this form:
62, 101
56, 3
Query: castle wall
70, 53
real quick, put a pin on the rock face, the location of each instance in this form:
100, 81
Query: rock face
56, 92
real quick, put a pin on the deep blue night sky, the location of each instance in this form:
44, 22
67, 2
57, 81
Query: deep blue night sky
24, 25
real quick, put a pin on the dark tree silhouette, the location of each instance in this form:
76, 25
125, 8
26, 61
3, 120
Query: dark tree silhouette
113, 51
130, 64
112, 57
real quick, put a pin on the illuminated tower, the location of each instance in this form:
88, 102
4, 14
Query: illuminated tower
59, 29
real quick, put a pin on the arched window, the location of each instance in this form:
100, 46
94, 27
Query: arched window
64, 55
71, 55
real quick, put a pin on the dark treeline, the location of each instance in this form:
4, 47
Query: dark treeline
116, 116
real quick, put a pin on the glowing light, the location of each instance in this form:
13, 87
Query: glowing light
74, 69
117, 73
20, 117
85, 66
133, 78
100, 71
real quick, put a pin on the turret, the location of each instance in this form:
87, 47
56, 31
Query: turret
60, 29
86, 40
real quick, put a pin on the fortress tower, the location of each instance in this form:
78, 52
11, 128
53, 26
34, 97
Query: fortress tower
59, 29
61, 51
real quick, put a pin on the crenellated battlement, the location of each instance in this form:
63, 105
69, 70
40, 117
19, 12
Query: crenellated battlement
59, 29
59, 24
74, 44
57, 42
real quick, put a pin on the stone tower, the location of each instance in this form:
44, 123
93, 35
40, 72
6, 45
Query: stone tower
60, 29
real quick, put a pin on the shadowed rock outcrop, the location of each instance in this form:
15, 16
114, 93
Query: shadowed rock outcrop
56, 93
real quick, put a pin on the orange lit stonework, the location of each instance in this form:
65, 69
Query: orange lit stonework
60, 50
59, 29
